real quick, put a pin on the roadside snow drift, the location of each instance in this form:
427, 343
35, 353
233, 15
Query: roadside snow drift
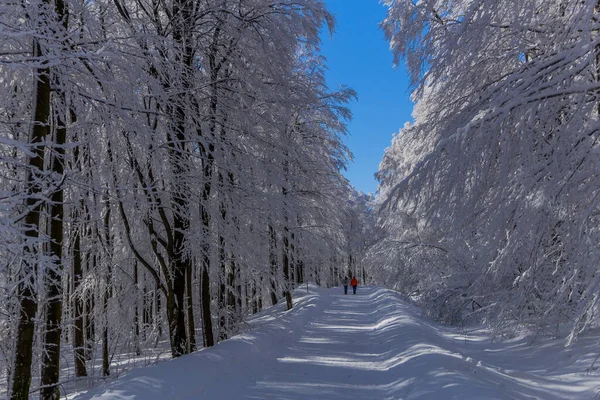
371, 345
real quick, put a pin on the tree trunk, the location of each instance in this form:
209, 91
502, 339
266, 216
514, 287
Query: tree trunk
222, 292
205, 297
292, 255
273, 263
273, 294
105, 356
206, 314
233, 292
77, 308
300, 271
179, 266
52, 334
286, 270
107, 295
136, 313
254, 298
23, 349
51, 358
299, 264
351, 266
260, 296
90, 325
190, 310
157, 311
25, 291
146, 317
107, 289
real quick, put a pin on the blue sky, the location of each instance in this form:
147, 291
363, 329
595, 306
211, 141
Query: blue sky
358, 56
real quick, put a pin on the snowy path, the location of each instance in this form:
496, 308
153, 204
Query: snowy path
368, 346
339, 352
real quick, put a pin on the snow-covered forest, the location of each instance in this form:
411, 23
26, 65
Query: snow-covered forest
169, 168
489, 201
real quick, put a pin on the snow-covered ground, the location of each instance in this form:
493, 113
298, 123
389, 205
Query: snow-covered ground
372, 345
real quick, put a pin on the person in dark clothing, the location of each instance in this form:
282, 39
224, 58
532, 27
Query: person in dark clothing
345, 283
354, 284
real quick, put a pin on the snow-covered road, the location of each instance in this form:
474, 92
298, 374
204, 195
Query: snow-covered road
371, 345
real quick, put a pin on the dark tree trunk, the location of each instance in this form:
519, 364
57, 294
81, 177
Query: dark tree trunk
206, 314
286, 270
77, 309
260, 296
317, 277
179, 337
247, 297
299, 264
11, 310
254, 299
293, 261
232, 299
205, 297
90, 324
107, 290
273, 263
146, 317
157, 311
105, 355
222, 292
181, 20
23, 349
273, 294
51, 355
286, 257
240, 305
179, 266
351, 266
51, 358
190, 310
288, 300
227, 287
136, 313
25, 290
207, 150
300, 271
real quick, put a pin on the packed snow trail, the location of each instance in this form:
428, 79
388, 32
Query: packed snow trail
370, 346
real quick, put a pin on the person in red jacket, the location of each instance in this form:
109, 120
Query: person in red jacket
354, 284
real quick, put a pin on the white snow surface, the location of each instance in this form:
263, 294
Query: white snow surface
372, 345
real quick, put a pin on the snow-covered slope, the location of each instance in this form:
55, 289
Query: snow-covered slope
371, 345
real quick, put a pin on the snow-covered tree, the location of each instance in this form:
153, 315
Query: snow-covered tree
498, 171
160, 161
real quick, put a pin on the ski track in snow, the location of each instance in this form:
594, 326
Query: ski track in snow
371, 346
